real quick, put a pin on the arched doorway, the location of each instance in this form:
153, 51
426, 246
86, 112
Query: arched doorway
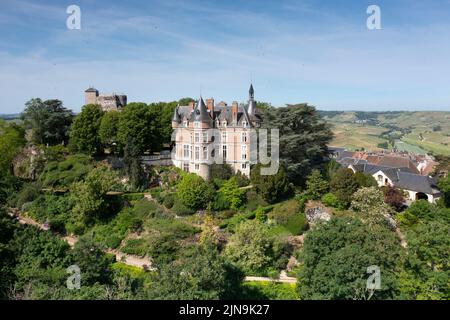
421, 196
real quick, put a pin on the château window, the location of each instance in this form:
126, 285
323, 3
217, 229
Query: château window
185, 123
197, 124
205, 153
224, 152
244, 152
244, 137
244, 124
186, 151
186, 166
224, 137
197, 166
197, 137
205, 136
244, 166
197, 153
224, 124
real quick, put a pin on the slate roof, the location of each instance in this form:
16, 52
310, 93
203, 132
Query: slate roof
221, 113
373, 168
393, 162
416, 182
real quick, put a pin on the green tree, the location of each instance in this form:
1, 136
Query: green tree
48, 120
370, 203
221, 171
427, 267
84, 132
185, 101
316, 186
365, 180
271, 187
194, 192
132, 164
336, 256
204, 275
12, 140
444, 186
250, 247
89, 195
143, 124
165, 111
304, 137
94, 264
343, 185
7, 229
232, 193
108, 129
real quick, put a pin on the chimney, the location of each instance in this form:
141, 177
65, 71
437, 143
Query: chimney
234, 112
210, 106
191, 106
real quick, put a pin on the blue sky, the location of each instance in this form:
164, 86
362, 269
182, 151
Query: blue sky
319, 52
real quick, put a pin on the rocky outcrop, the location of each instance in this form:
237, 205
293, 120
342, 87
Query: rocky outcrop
28, 164
315, 212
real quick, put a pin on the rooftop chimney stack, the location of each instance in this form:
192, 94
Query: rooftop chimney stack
234, 112
210, 106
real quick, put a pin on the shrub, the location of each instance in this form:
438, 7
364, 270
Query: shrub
29, 193
330, 200
133, 196
221, 171
232, 194
135, 246
268, 291
169, 200
250, 247
194, 192
220, 203
316, 186
261, 214
365, 180
63, 174
343, 184
254, 200
272, 188
180, 209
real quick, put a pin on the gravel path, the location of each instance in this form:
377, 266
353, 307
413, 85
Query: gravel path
128, 259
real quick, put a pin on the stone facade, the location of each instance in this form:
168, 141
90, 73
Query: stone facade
202, 129
108, 102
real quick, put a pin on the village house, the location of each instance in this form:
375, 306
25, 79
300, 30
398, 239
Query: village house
201, 129
416, 186
403, 172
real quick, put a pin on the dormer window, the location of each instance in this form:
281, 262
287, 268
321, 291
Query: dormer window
185, 123
244, 124
197, 124
224, 124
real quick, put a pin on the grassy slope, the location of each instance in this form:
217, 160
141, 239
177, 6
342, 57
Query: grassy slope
355, 136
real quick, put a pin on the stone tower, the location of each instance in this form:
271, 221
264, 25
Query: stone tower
91, 96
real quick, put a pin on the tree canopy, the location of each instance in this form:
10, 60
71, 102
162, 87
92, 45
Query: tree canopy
84, 133
49, 121
304, 137
336, 256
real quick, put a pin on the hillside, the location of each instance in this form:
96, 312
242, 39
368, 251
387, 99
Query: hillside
419, 132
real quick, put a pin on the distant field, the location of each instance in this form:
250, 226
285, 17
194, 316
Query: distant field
355, 136
404, 146
420, 132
